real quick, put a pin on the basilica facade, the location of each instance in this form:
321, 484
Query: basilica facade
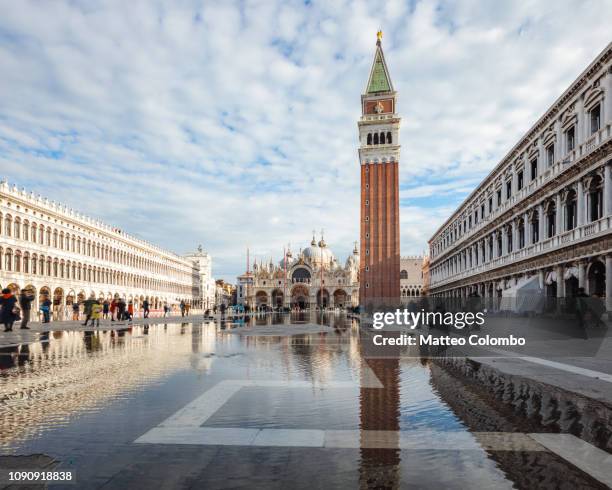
312, 277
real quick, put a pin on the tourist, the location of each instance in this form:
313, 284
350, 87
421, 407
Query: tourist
145, 309
113, 309
25, 302
105, 309
96, 309
88, 308
121, 309
182, 308
75, 311
45, 307
130, 311
166, 310
187, 307
9, 311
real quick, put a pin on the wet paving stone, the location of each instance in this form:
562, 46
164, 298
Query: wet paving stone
294, 403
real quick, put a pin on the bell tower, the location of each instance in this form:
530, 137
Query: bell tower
379, 152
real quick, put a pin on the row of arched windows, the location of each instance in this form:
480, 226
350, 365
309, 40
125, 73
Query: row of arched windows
32, 263
38, 233
381, 138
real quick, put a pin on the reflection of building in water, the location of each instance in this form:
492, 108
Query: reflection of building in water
79, 371
380, 412
313, 277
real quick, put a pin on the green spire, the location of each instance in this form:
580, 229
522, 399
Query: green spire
379, 81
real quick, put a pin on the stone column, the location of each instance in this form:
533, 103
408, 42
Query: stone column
560, 282
607, 208
541, 278
558, 215
580, 207
514, 236
527, 229
495, 251
504, 236
582, 275
609, 283
581, 128
541, 223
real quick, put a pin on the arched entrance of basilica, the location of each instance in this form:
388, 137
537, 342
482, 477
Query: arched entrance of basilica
261, 299
299, 297
322, 298
340, 298
277, 298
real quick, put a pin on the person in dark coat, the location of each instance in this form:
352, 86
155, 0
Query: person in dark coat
121, 309
145, 309
45, 307
25, 302
8, 301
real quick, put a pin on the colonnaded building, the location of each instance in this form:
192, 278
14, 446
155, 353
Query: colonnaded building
65, 256
543, 216
314, 277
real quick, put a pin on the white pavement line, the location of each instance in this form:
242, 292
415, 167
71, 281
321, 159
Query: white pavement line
197, 412
559, 365
343, 439
581, 454
194, 414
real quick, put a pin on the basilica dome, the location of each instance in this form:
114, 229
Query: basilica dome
318, 253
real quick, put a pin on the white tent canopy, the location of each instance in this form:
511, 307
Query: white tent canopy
526, 295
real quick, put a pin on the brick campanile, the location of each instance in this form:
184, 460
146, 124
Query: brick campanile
379, 152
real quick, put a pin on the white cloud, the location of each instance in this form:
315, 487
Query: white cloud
234, 123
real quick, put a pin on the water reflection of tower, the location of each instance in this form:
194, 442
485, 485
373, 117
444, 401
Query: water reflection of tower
380, 412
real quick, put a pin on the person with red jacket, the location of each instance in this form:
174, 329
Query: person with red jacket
8, 311
113, 309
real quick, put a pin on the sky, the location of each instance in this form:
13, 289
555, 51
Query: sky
234, 124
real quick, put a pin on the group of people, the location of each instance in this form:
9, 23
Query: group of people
117, 310
13, 308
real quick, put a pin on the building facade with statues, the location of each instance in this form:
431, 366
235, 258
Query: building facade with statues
542, 218
311, 278
60, 254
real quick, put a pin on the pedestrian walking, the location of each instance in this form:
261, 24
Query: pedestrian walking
45, 307
87, 309
76, 307
105, 309
166, 310
121, 309
130, 311
96, 312
25, 302
113, 309
182, 308
145, 309
9, 311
